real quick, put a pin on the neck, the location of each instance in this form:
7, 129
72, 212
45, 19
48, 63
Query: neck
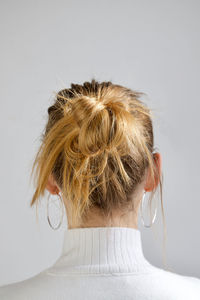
95, 218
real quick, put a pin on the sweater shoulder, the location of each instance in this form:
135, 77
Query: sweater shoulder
173, 285
172, 275
20, 289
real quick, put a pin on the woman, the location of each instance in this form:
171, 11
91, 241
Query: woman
97, 157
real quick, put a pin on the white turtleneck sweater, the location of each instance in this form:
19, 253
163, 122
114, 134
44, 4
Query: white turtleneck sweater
104, 263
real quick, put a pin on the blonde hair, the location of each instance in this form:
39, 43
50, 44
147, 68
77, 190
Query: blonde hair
97, 144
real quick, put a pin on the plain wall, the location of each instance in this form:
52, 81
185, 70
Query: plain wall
151, 46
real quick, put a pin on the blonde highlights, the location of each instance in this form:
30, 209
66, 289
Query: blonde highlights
97, 144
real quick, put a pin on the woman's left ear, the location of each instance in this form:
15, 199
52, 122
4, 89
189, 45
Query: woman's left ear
52, 186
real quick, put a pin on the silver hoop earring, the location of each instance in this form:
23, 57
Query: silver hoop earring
59, 198
142, 215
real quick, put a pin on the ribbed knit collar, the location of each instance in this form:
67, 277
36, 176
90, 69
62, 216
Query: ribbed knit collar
100, 250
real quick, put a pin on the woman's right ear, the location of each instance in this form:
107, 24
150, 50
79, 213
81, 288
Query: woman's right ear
150, 184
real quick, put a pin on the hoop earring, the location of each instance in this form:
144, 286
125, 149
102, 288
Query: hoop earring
141, 212
62, 212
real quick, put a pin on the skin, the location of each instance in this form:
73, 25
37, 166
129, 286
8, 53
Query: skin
128, 219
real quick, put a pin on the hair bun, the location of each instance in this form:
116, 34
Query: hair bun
102, 121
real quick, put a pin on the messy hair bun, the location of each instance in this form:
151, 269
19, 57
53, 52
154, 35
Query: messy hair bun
97, 144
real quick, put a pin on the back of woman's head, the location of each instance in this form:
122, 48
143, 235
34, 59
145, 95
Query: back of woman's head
97, 144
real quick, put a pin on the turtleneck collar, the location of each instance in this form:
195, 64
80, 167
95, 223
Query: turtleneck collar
101, 250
